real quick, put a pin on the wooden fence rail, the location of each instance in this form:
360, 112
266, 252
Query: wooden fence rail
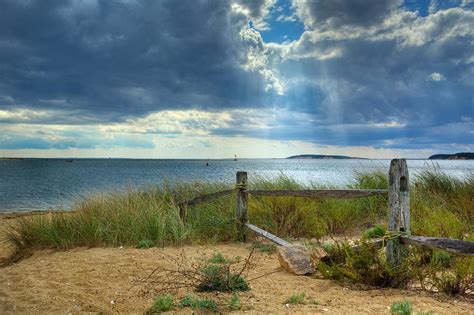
319, 193
447, 244
398, 212
182, 205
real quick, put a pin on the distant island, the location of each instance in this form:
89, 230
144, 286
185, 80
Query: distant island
321, 157
455, 156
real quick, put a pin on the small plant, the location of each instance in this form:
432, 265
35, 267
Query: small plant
216, 273
405, 308
219, 277
218, 258
234, 302
314, 302
374, 232
441, 259
196, 302
296, 299
162, 303
402, 308
145, 244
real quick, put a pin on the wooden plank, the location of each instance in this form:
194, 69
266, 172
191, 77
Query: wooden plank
398, 209
275, 239
322, 193
241, 202
447, 244
206, 197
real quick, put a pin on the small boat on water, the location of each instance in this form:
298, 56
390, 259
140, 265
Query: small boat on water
235, 157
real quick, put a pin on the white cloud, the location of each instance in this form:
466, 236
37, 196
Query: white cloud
436, 76
257, 60
256, 11
287, 18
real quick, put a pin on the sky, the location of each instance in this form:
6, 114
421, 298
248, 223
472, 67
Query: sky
210, 79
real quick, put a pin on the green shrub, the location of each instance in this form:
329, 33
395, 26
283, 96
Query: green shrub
162, 303
217, 274
217, 277
196, 302
365, 265
295, 299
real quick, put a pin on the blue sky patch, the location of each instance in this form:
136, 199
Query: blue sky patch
284, 24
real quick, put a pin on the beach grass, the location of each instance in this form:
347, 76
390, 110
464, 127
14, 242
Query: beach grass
440, 206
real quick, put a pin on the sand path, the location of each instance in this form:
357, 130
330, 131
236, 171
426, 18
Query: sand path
87, 280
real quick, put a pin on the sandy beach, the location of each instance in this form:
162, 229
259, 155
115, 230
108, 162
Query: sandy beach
89, 279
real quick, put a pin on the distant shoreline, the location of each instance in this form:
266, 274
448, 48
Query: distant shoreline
456, 156
324, 157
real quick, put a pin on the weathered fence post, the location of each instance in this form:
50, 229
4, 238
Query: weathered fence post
242, 197
398, 210
182, 211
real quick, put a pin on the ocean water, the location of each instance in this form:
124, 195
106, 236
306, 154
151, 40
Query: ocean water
43, 184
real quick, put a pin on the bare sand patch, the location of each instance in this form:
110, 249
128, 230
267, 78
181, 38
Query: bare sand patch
88, 280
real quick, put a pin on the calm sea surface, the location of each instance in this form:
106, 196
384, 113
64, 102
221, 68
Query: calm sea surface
41, 184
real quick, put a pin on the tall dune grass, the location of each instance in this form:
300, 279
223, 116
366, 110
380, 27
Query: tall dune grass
440, 206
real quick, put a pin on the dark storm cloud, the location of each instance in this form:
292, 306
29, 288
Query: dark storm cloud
123, 58
405, 69
338, 13
363, 73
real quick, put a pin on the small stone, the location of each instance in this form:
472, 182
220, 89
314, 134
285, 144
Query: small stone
296, 259
113, 302
287, 305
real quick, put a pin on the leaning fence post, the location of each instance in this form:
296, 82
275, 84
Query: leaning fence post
242, 197
398, 210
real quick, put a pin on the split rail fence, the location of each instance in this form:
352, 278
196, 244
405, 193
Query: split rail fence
398, 212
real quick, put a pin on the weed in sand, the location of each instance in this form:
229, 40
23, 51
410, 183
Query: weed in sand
196, 302
145, 244
234, 302
162, 303
405, 308
295, 299
402, 308
216, 273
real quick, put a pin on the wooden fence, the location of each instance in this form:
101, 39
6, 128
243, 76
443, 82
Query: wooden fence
398, 212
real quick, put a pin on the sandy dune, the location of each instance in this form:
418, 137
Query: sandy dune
87, 280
